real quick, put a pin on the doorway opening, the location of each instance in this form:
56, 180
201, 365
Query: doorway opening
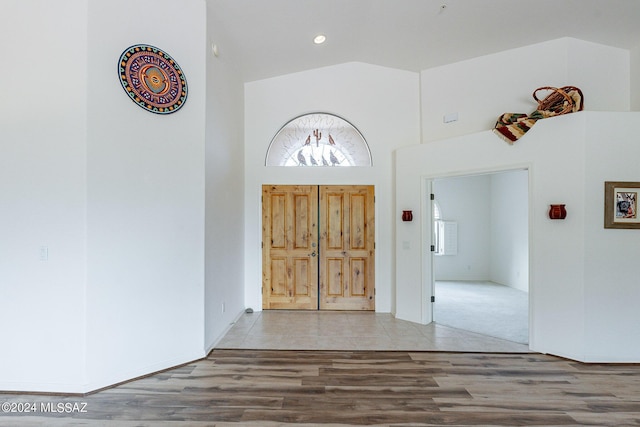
318, 247
480, 254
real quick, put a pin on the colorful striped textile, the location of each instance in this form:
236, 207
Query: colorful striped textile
513, 126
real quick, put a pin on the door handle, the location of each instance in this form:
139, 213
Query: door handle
313, 253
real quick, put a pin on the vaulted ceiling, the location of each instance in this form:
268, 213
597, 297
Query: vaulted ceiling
266, 38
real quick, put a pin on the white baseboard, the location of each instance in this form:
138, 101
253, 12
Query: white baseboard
224, 332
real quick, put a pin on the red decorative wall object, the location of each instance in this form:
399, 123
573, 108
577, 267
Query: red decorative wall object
407, 216
557, 212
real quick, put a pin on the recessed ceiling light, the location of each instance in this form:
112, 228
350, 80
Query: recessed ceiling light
319, 39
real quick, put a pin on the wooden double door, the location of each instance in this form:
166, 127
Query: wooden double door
318, 247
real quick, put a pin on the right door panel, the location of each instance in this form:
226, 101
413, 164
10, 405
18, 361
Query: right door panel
347, 249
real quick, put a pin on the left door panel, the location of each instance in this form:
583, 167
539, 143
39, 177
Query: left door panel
290, 247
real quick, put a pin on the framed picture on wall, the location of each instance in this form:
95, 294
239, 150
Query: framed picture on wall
621, 204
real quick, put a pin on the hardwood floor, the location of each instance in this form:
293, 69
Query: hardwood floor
403, 388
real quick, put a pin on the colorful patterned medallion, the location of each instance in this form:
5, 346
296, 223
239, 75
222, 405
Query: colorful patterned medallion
152, 79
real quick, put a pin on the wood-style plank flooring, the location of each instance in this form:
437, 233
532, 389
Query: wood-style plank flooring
383, 388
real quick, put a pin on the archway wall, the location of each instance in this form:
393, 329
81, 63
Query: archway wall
580, 301
382, 103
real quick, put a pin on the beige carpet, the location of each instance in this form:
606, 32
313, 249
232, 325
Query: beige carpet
483, 307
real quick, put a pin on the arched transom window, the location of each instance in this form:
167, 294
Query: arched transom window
318, 140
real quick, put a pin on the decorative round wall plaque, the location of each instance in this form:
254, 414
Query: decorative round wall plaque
152, 79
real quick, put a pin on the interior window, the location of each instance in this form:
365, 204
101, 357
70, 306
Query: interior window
318, 140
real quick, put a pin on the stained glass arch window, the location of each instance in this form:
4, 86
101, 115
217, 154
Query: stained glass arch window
318, 140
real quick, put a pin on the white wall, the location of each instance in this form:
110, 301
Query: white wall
554, 151
43, 194
635, 79
483, 88
579, 292
145, 203
602, 72
116, 194
556, 273
466, 200
224, 265
382, 103
509, 244
611, 255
